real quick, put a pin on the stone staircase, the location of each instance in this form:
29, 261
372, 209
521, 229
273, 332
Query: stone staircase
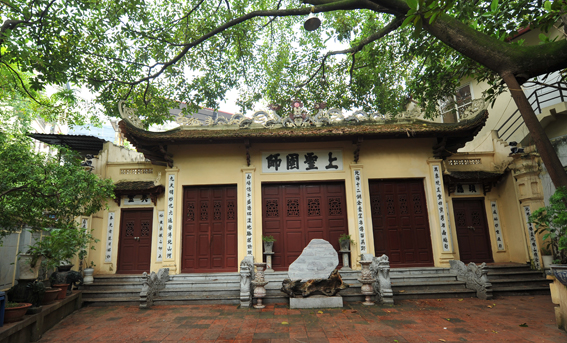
427, 282
224, 288
517, 279
182, 289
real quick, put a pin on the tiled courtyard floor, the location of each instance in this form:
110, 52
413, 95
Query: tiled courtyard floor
507, 319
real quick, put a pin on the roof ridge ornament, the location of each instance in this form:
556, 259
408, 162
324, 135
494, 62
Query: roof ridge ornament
129, 114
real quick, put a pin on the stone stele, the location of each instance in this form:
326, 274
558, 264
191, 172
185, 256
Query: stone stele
317, 261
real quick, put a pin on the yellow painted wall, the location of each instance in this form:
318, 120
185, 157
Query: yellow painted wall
225, 164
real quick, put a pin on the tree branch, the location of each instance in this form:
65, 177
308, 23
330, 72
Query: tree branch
337, 5
392, 26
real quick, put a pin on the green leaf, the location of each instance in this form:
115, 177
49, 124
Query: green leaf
433, 17
413, 4
494, 5
547, 6
408, 20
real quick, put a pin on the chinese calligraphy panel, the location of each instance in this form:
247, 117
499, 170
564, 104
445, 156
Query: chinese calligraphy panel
302, 161
109, 230
531, 232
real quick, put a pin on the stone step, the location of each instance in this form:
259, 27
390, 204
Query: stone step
217, 285
503, 268
112, 293
419, 271
114, 285
204, 277
503, 283
434, 294
423, 278
521, 290
527, 274
428, 285
112, 278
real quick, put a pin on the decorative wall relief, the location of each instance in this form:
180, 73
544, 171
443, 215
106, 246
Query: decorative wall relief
109, 230
359, 210
497, 226
531, 232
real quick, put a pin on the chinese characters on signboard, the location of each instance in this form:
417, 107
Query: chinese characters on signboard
302, 161
359, 210
169, 232
136, 200
161, 219
497, 226
109, 229
248, 182
533, 243
467, 189
440, 208
84, 223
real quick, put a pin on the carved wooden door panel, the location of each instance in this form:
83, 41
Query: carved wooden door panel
400, 223
297, 213
209, 229
135, 245
472, 230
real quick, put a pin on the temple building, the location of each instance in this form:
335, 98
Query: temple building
206, 193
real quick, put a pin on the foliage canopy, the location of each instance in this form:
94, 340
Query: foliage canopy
45, 191
387, 51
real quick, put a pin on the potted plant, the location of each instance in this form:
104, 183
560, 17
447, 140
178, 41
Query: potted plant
546, 258
345, 241
88, 278
29, 264
268, 243
50, 295
15, 312
551, 220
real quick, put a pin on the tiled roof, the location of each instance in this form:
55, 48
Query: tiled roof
133, 185
383, 129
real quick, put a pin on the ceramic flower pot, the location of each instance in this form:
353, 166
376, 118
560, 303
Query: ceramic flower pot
268, 246
64, 267
88, 278
62, 292
15, 314
27, 271
560, 272
50, 295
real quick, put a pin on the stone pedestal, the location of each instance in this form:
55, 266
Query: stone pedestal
346, 265
366, 279
317, 301
269, 262
259, 283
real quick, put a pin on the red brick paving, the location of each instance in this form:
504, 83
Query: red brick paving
431, 320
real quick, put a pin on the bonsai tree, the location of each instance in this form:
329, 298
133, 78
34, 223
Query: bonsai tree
551, 220
61, 245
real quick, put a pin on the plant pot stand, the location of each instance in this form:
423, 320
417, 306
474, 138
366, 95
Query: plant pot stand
346, 265
268, 262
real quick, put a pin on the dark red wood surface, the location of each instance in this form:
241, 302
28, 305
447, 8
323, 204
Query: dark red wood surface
296, 213
472, 230
209, 229
400, 222
135, 245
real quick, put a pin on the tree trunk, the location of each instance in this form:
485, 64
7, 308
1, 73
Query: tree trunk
541, 141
